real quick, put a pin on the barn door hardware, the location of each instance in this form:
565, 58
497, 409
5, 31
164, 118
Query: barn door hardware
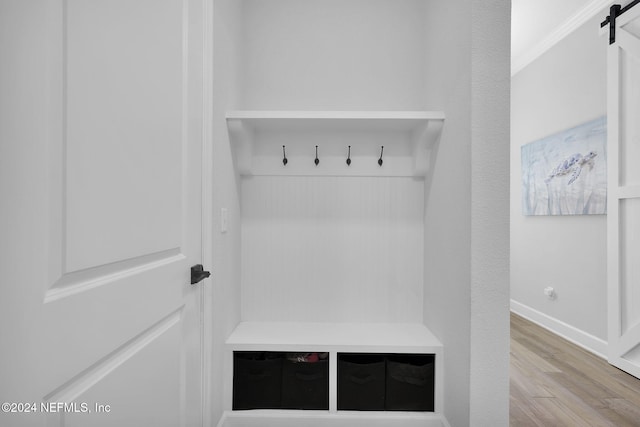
316, 161
381, 151
198, 274
349, 157
284, 157
615, 11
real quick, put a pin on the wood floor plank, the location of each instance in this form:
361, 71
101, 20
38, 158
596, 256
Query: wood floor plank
526, 415
628, 413
529, 381
578, 400
556, 383
541, 364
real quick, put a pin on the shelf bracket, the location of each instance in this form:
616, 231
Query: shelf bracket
242, 148
425, 139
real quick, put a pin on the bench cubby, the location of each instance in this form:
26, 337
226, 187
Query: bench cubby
386, 382
276, 380
409, 382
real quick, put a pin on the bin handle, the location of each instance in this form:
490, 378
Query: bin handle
309, 377
361, 380
410, 380
260, 375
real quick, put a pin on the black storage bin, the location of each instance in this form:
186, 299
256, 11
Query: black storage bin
257, 380
305, 385
410, 382
361, 382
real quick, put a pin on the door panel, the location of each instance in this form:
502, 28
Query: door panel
629, 267
123, 102
123, 142
623, 204
629, 110
132, 405
105, 313
91, 324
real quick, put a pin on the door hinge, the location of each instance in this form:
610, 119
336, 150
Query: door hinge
198, 274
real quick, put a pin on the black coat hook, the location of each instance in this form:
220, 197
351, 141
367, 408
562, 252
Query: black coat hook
284, 157
381, 151
316, 161
349, 157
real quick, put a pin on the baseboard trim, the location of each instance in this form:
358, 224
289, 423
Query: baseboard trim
577, 336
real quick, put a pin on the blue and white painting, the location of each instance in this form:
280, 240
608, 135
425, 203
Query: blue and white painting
566, 173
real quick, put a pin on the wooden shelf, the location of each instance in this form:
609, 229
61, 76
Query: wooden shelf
398, 120
338, 337
258, 136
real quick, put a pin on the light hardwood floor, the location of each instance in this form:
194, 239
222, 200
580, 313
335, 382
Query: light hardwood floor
556, 383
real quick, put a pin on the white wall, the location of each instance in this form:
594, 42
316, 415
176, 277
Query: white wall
334, 55
490, 81
561, 89
466, 228
224, 290
448, 202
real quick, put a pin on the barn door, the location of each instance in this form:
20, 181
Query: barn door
103, 102
623, 222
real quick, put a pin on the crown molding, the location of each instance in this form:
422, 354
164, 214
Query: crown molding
566, 28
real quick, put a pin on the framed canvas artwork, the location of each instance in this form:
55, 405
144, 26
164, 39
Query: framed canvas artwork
566, 173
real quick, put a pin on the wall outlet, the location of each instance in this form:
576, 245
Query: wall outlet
550, 292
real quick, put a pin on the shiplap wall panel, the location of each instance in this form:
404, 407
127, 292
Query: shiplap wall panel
332, 249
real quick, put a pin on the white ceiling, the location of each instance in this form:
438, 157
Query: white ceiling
533, 20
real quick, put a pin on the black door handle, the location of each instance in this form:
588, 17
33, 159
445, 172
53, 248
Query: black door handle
198, 274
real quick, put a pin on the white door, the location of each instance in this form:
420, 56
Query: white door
100, 178
623, 220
